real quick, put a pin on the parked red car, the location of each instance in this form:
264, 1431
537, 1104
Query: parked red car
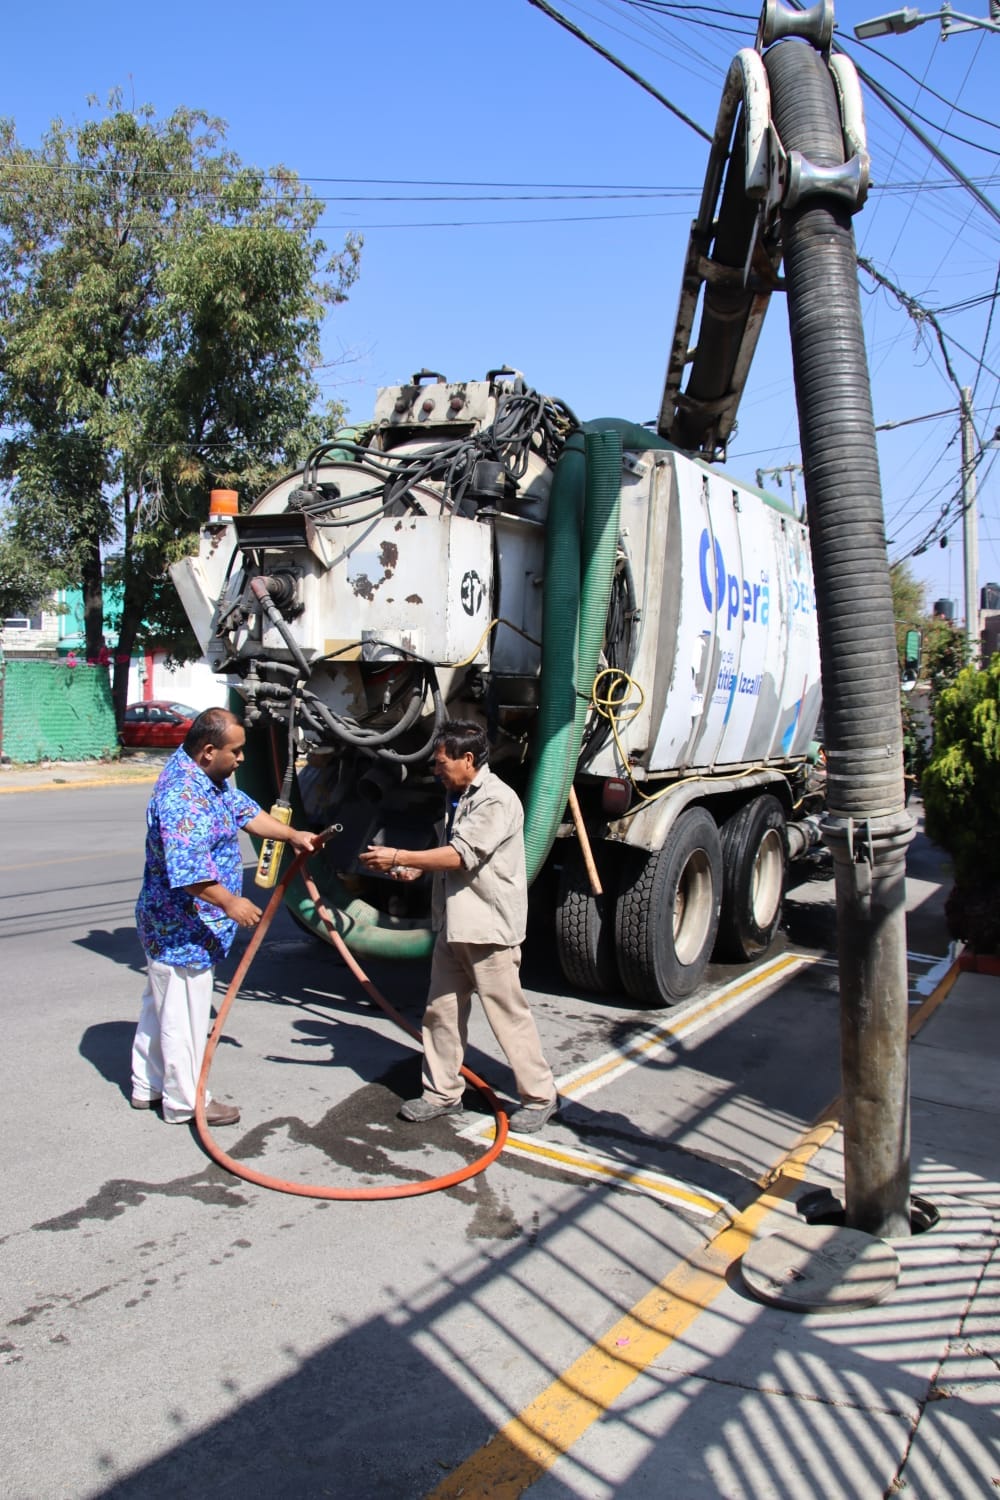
156, 725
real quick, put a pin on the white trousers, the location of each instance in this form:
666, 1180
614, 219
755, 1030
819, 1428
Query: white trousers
171, 1037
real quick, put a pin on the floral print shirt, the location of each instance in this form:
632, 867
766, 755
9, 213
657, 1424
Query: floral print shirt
192, 835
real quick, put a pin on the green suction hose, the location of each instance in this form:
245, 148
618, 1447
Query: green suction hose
552, 741
571, 652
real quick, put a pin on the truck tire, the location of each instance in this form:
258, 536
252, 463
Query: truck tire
668, 912
585, 924
754, 861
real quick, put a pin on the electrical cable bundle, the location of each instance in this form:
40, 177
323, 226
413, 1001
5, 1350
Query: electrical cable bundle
525, 422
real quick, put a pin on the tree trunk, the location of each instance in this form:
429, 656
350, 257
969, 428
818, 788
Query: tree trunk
92, 582
127, 632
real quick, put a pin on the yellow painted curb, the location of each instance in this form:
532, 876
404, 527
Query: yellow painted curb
69, 786
927, 1007
532, 1441
520, 1453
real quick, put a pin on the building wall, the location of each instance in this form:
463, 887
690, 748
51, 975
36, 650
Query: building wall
192, 683
31, 633
51, 711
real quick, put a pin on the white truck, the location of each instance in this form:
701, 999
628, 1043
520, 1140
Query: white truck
635, 630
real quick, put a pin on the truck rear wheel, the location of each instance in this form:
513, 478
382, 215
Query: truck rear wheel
585, 924
668, 912
754, 861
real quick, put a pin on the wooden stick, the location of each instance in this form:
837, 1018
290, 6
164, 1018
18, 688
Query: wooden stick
584, 842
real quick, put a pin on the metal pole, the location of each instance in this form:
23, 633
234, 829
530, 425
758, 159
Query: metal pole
970, 533
866, 825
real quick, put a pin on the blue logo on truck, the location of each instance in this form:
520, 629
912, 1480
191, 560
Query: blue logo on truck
734, 598
720, 589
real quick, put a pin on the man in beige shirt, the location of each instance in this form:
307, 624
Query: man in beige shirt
480, 909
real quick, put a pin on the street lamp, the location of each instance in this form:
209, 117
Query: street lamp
897, 21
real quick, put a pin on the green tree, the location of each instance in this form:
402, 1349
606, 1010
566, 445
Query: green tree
946, 652
908, 607
943, 654
961, 790
160, 315
25, 583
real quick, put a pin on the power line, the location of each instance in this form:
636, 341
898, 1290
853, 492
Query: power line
929, 416
499, 223
924, 86
588, 41
986, 335
542, 190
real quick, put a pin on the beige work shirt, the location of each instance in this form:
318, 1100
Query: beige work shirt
486, 900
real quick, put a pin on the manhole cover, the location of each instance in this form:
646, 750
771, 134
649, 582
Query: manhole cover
820, 1268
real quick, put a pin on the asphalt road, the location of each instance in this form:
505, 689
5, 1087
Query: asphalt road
169, 1329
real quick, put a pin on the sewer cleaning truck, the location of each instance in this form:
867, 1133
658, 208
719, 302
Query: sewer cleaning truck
635, 629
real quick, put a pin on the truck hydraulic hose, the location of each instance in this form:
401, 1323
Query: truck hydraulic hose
258, 587
308, 1190
365, 739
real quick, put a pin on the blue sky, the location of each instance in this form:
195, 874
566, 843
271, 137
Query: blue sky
566, 261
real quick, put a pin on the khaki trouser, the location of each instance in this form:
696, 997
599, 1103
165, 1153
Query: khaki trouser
458, 969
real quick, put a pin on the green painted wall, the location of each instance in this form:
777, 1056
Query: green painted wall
54, 712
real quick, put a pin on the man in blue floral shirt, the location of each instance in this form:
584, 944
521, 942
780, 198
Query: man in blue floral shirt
189, 908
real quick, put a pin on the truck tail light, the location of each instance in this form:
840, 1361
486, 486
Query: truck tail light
616, 795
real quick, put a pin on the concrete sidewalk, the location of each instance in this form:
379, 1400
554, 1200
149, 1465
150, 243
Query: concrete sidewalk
754, 1402
134, 766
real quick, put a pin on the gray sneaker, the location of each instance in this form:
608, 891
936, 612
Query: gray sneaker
531, 1117
418, 1110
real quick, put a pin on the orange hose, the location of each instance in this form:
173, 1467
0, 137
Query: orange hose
303, 1190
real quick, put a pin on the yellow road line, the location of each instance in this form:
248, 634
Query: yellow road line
531, 1442
926, 1009
633, 1051
595, 1164
611, 1065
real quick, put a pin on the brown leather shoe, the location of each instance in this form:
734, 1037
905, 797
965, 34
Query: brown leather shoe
139, 1103
221, 1114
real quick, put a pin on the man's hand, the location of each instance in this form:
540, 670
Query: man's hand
385, 861
302, 841
263, 826
379, 858
243, 911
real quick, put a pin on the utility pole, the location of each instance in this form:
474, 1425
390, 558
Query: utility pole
791, 470
970, 533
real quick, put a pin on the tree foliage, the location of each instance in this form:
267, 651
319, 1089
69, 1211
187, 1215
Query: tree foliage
961, 786
945, 653
25, 582
908, 607
160, 313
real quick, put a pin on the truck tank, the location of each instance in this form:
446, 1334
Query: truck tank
631, 625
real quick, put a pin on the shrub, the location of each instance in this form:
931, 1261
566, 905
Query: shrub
961, 791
